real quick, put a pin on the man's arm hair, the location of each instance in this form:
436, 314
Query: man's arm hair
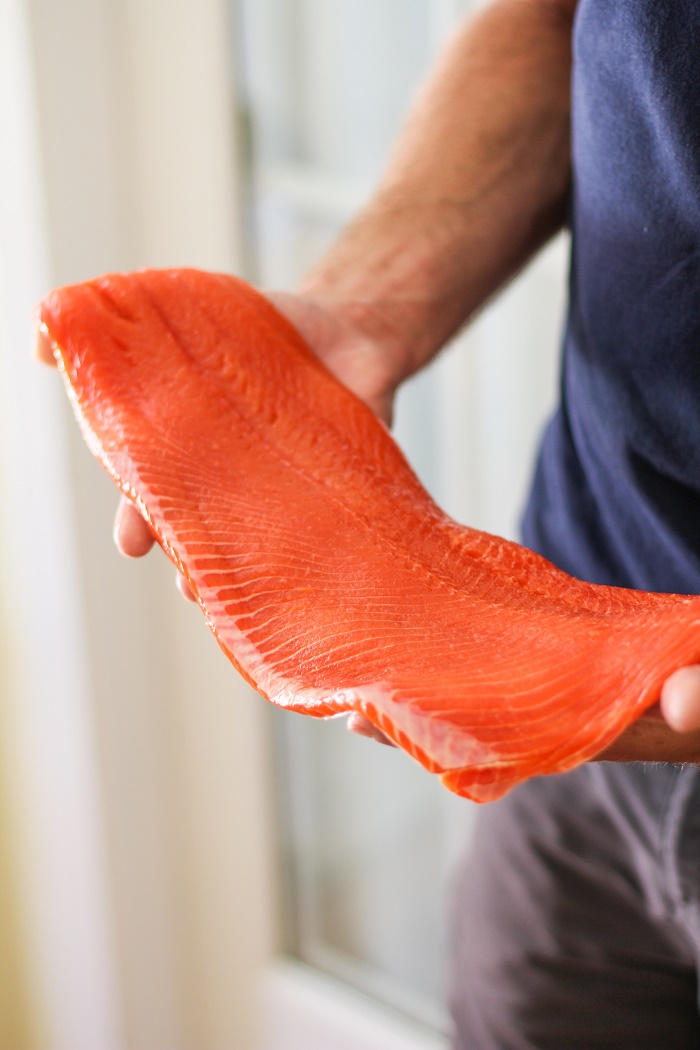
476, 183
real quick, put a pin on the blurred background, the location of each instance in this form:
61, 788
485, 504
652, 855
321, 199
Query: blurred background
181, 866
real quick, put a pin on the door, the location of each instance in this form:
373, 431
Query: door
368, 839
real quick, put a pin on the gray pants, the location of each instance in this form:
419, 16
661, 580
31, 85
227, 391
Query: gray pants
578, 914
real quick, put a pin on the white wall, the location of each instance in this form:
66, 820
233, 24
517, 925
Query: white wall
139, 777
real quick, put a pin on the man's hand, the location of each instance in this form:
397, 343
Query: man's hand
667, 732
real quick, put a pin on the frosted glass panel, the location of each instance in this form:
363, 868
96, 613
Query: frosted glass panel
329, 79
369, 837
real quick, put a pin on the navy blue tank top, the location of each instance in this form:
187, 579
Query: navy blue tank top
616, 494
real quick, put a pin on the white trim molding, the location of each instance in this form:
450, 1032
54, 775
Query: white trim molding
302, 1009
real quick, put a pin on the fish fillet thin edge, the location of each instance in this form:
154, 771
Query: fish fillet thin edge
329, 577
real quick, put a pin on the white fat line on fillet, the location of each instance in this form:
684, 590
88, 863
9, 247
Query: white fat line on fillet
439, 739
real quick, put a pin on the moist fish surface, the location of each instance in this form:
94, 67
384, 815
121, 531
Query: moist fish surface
328, 575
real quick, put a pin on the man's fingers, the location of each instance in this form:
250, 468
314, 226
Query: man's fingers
42, 349
131, 533
680, 699
134, 539
363, 727
184, 588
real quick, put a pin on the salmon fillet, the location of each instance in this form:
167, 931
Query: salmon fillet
329, 577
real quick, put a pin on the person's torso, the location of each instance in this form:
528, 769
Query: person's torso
617, 492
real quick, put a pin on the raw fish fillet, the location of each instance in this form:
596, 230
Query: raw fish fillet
329, 577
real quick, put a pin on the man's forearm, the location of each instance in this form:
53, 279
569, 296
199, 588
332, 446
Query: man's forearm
475, 184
